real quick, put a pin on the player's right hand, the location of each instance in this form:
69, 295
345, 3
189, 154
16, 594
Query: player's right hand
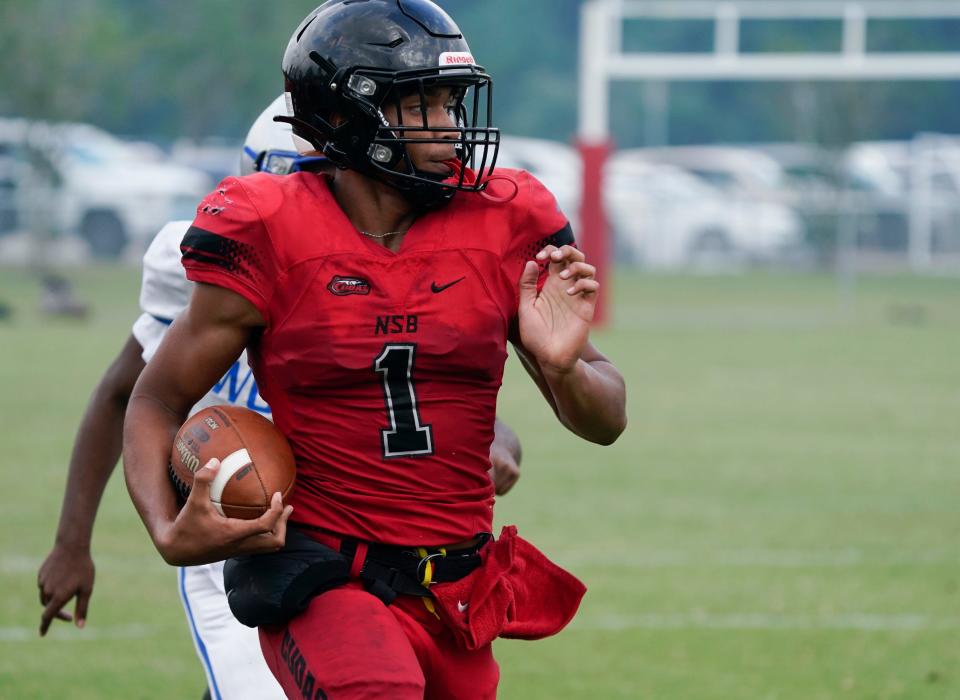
65, 574
200, 535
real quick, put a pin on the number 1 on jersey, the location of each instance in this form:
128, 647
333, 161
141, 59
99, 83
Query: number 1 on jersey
405, 437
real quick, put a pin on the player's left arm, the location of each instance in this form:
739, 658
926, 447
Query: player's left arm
505, 456
68, 571
585, 389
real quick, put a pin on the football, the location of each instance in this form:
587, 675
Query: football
255, 459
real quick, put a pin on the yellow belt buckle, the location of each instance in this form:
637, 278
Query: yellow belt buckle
427, 564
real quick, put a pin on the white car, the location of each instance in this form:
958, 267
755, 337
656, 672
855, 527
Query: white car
902, 184
9, 176
557, 165
80, 180
729, 168
664, 216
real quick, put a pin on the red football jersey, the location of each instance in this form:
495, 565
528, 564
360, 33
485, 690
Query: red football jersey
382, 368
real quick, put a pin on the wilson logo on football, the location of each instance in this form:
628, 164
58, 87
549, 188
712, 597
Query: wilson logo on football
345, 286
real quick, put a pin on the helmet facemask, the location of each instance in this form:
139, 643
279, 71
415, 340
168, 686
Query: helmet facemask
476, 146
365, 140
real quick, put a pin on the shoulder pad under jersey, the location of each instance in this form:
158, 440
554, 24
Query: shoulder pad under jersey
164, 290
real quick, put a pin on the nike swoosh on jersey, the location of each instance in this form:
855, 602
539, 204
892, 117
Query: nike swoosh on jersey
436, 288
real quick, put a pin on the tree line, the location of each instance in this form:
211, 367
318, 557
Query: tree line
161, 69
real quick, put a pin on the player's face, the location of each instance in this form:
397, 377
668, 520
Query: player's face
438, 107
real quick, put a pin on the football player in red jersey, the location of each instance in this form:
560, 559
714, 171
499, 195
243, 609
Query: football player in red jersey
229, 652
376, 307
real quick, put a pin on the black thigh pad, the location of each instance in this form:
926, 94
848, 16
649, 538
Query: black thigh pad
272, 588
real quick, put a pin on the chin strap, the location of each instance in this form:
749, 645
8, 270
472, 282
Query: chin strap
457, 167
317, 137
502, 199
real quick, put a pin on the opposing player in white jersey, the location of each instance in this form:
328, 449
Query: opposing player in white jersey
230, 653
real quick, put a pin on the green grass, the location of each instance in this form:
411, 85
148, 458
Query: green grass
779, 522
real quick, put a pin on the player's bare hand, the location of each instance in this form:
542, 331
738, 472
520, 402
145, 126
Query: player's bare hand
200, 535
504, 470
65, 574
555, 322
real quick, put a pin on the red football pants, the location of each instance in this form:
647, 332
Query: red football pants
348, 645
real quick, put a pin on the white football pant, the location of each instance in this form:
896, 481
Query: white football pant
229, 652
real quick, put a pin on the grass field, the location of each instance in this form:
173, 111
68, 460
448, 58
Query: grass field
779, 522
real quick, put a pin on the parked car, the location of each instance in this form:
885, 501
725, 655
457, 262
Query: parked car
78, 179
217, 157
731, 169
556, 164
664, 216
899, 180
8, 192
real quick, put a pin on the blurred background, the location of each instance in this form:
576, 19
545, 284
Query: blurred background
782, 273
117, 115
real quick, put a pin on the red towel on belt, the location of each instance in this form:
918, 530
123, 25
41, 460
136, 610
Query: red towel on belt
517, 593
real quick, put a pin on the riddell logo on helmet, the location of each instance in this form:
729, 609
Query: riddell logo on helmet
456, 58
345, 286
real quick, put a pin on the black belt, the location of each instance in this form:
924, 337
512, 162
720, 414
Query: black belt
388, 570
272, 588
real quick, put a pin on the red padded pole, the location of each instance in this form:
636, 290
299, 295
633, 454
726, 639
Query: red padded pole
593, 236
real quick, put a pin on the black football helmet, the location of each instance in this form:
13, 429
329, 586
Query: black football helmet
349, 57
